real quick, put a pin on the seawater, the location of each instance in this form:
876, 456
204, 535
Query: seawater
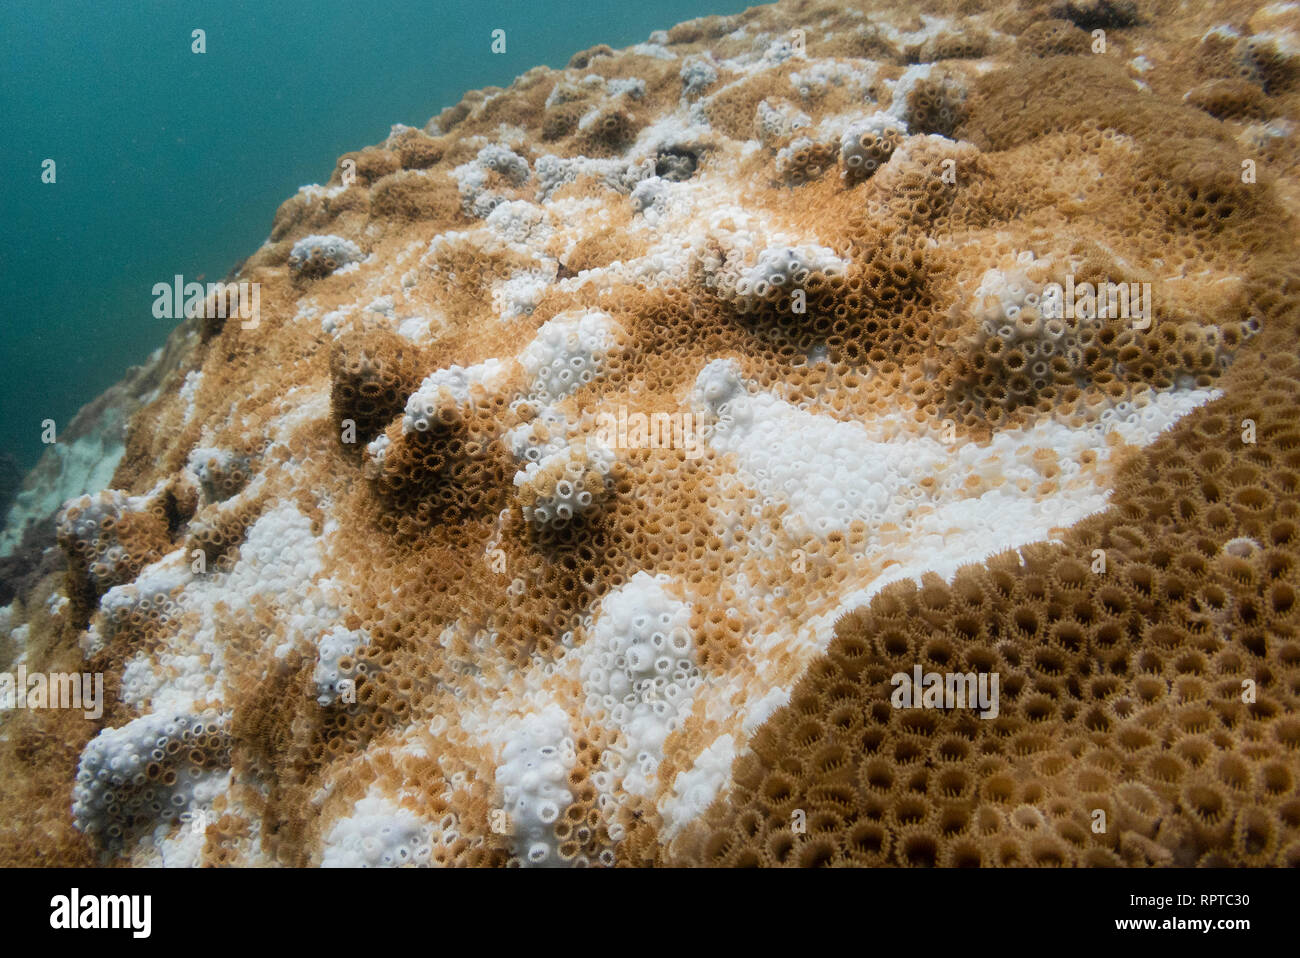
168, 161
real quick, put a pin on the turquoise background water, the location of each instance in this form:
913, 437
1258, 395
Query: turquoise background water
172, 162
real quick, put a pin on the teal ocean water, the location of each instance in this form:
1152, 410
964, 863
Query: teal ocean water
167, 161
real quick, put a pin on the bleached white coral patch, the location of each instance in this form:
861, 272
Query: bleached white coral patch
533, 775
19, 636
569, 351
521, 293
820, 76
153, 595
333, 679
377, 449
567, 482
414, 329
631, 87
332, 321
546, 434
113, 791
328, 253
639, 674
189, 390
783, 267
518, 221
654, 50
570, 91
85, 524
139, 681
555, 171
695, 789
781, 49
472, 178
650, 192
904, 85
698, 73
183, 847
279, 562
779, 120
852, 153
832, 473
214, 467
453, 385
718, 384
378, 834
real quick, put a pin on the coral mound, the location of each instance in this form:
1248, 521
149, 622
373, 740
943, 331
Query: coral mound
606, 450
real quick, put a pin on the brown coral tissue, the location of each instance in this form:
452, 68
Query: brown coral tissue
824, 435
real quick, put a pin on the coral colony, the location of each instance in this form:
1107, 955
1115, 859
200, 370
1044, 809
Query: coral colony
831, 434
